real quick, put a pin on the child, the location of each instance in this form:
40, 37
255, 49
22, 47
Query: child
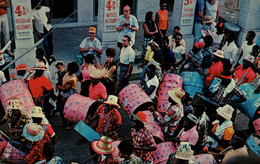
126, 149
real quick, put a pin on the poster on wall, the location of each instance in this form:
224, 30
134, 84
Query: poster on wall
111, 15
188, 12
21, 11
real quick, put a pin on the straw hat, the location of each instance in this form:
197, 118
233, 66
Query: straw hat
250, 58
14, 103
219, 54
103, 146
112, 100
184, 151
21, 67
225, 111
191, 118
40, 66
96, 73
176, 94
140, 116
37, 112
33, 132
208, 19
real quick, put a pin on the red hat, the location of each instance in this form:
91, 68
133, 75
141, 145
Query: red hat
21, 67
141, 116
199, 44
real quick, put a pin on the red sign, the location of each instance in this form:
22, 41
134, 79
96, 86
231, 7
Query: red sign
111, 14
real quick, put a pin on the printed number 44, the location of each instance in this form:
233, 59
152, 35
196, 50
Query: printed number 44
20, 11
111, 4
186, 2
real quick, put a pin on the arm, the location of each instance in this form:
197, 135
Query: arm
36, 30
120, 26
217, 13
84, 49
146, 30
66, 87
157, 23
54, 139
201, 16
130, 68
51, 16
239, 94
149, 90
183, 59
98, 50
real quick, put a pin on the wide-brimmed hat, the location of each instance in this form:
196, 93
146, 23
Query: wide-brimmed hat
37, 112
176, 94
96, 73
33, 132
112, 100
141, 116
184, 151
103, 146
14, 103
225, 111
219, 53
92, 29
21, 67
250, 58
191, 117
40, 66
208, 19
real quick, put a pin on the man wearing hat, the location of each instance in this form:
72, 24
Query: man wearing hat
21, 70
189, 132
92, 45
244, 73
227, 89
38, 137
174, 111
221, 134
15, 118
142, 138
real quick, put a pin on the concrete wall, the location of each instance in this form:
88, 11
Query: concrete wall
144, 6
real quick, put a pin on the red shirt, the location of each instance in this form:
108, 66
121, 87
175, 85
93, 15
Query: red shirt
36, 151
3, 11
48, 129
99, 91
38, 85
239, 73
215, 70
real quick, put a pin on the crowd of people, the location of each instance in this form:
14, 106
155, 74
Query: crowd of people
192, 126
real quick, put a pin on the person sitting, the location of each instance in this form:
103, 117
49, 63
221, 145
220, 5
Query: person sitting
207, 52
174, 111
189, 132
15, 118
244, 73
126, 149
21, 71
195, 57
142, 138
221, 134
179, 51
176, 30
151, 83
186, 102
168, 57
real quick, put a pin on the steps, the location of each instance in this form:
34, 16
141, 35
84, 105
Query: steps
136, 72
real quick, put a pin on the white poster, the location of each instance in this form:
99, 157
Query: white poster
21, 11
188, 12
111, 15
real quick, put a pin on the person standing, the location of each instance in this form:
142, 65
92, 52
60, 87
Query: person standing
230, 48
162, 19
198, 19
212, 9
42, 26
127, 57
127, 25
92, 45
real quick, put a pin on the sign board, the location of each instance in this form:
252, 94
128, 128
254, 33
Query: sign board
188, 12
22, 16
111, 14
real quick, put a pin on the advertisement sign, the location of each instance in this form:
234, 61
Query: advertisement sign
21, 11
188, 12
111, 15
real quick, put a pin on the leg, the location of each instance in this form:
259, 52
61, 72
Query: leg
122, 81
46, 44
197, 31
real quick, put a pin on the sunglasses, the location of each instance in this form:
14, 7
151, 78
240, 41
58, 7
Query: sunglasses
126, 10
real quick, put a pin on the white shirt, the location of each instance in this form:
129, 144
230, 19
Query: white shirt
172, 41
88, 43
155, 82
246, 50
212, 10
41, 19
127, 55
216, 40
2, 78
230, 52
178, 51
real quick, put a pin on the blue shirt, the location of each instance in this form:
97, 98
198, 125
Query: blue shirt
199, 7
126, 31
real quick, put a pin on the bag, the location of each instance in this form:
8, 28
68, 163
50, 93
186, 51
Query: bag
68, 93
79, 58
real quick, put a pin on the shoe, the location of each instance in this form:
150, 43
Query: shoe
10, 52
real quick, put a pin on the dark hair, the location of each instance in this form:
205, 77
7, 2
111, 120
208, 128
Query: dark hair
166, 40
177, 28
148, 16
48, 149
128, 37
40, 51
255, 47
59, 63
231, 35
178, 34
89, 59
208, 41
73, 67
162, 2
111, 52
128, 6
152, 67
252, 33
42, 60
126, 147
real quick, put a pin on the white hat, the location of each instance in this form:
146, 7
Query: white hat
219, 53
103, 146
176, 94
37, 112
33, 132
250, 58
96, 73
184, 151
40, 66
14, 103
226, 111
208, 19
112, 100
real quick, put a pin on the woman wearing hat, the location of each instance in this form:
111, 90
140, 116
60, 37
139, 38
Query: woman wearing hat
38, 137
221, 134
21, 71
15, 118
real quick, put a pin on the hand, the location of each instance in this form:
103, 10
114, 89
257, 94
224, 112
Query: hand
94, 48
140, 66
12, 130
127, 76
1, 58
88, 48
123, 24
39, 35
